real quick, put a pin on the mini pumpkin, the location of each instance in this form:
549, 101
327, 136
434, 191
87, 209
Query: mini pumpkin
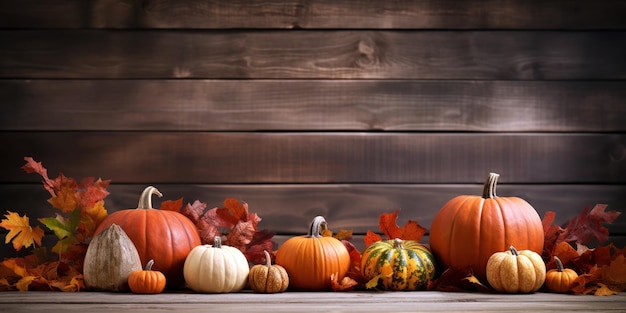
147, 281
398, 265
268, 278
216, 269
515, 271
468, 229
110, 258
160, 235
560, 279
310, 260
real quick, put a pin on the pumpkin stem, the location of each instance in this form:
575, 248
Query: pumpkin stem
217, 242
397, 243
145, 200
489, 189
559, 264
513, 251
318, 225
149, 265
268, 259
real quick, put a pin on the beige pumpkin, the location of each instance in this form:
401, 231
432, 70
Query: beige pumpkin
216, 269
268, 278
110, 258
515, 271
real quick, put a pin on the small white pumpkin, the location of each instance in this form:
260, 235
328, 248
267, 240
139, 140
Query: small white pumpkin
216, 269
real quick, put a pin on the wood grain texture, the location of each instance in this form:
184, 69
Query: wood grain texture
362, 301
312, 105
194, 157
493, 55
315, 14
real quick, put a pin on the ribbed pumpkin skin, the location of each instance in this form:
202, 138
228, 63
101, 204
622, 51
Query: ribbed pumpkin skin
310, 260
412, 265
516, 271
164, 236
469, 229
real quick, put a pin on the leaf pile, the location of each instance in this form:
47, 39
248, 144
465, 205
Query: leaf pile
233, 223
602, 270
80, 208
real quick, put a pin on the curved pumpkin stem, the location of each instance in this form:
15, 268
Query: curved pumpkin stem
145, 200
513, 251
149, 265
318, 225
489, 190
268, 259
559, 264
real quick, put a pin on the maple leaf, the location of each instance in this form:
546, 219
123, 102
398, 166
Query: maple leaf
91, 192
614, 274
588, 225
262, 240
345, 284
240, 235
21, 234
371, 237
194, 210
172, 205
387, 224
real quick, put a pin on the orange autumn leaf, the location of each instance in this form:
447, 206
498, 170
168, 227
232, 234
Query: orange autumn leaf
603, 290
21, 234
66, 199
344, 235
412, 230
614, 274
172, 205
371, 237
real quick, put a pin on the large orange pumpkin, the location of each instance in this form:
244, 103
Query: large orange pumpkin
310, 260
164, 236
467, 230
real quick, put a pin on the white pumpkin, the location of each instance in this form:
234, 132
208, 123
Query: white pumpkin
216, 269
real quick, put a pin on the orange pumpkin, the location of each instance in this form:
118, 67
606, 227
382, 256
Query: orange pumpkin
164, 236
310, 260
560, 279
467, 230
146, 281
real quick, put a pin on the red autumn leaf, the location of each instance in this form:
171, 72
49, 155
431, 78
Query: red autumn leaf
90, 192
194, 211
233, 211
36, 167
262, 240
588, 226
241, 235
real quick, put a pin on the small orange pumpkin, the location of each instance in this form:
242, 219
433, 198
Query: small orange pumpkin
146, 281
560, 279
310, 260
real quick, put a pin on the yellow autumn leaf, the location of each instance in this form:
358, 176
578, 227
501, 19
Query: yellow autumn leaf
20, 231
22, 284
91, 218
604, 290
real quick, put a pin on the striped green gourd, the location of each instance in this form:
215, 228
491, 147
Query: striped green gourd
398, 265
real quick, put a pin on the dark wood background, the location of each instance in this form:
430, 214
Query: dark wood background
346, 109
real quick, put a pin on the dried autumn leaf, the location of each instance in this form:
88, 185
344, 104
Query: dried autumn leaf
614, 274
36, 167
588, 226
21, 234
172, 205
345, 284
458, 281
371, 237
66, 199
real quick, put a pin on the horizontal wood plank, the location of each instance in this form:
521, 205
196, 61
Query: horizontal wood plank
515, 55
316, 14
288, 209
311, 105
199, 157
364, 301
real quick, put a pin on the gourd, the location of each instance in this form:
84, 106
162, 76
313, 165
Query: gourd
398, 265
216, 269
109, 260
147, 281
310, 260
268, 278
160, 235
468, 229
516, 271
559, 279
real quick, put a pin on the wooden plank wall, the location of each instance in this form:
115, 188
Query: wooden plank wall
346, 109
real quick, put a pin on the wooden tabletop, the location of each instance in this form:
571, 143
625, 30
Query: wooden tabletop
427, 301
